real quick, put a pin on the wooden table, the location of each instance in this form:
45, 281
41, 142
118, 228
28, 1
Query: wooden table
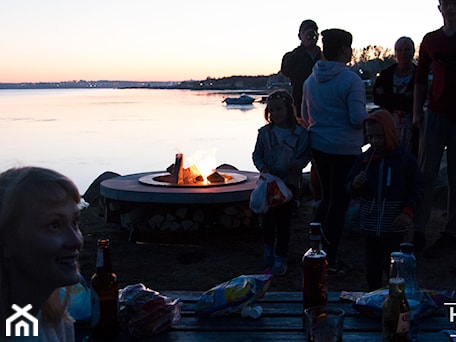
281, 321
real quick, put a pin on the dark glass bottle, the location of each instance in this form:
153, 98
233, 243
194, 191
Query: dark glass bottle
314, 270
105, 296
395, 320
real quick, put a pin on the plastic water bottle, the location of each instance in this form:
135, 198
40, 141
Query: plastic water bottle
412, 290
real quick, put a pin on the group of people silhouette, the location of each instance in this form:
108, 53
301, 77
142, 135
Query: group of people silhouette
413, 125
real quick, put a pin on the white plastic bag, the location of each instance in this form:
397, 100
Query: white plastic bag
269, 192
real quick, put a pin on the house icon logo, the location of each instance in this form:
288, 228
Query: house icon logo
21, 321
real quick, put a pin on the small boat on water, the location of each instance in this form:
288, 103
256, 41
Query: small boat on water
241, 100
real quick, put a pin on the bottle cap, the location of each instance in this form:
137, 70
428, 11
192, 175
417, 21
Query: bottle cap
254, 311
103, 242
407, 247
315, 228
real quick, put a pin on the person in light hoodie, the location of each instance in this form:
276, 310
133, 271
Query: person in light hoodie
333, 110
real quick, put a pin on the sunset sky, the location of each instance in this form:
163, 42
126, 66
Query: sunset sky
175, 40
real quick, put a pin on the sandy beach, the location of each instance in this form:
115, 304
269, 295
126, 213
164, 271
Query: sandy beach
193, 265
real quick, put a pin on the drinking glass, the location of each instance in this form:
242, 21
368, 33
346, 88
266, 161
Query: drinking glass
324, 324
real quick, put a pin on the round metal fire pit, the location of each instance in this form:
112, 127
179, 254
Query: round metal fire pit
128, 189
165, 179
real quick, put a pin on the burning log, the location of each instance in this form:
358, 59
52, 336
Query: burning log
191, 175
178, 176
216, 178
181, 175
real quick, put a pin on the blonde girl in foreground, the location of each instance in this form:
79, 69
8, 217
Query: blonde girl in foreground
40, 243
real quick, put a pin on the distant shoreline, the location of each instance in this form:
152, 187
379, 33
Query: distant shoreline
232, 83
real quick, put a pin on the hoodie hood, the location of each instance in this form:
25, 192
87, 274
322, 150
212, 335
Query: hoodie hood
385, 119
324, 71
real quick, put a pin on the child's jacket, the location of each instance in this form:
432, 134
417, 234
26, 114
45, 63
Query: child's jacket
394, 185
283, 158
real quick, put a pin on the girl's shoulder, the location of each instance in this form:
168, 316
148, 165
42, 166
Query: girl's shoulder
300, 130
264, 128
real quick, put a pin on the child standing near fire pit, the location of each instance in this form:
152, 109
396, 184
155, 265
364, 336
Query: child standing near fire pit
282, 149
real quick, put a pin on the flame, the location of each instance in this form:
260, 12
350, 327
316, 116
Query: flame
204, 162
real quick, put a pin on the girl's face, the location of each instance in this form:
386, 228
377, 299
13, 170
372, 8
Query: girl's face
45, 250
375, 136
278, 112
404, 51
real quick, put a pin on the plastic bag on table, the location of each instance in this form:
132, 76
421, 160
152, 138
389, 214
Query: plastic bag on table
270, 192
371, 303
145, 312
233, 295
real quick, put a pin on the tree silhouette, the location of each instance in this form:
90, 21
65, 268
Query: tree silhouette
368, 61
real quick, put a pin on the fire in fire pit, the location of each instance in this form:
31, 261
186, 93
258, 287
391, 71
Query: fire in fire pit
179, 176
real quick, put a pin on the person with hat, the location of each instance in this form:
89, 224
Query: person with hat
297, 64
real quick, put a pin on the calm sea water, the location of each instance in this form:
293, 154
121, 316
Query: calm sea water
84, 132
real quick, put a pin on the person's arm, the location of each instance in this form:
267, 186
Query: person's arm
382, 90
357, 103
419, 97
304, 115
414, 191
302, 154
289, 63
353, 183
258, 153
421, 79
378, 91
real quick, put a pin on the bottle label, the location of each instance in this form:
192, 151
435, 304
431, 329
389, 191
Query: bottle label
403, 323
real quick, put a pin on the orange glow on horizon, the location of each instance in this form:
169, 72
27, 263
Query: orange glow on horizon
47, 41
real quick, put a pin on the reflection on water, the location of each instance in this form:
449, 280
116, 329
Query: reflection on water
84, 132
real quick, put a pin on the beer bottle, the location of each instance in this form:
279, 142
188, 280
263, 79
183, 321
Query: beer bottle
395, 320
314, 270
105, 296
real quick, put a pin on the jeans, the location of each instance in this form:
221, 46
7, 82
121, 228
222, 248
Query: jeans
276, 228
378, 259
436, 133
332, 170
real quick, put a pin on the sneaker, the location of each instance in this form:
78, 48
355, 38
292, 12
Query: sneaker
268, 255
340, 268
441, 246
280, 266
